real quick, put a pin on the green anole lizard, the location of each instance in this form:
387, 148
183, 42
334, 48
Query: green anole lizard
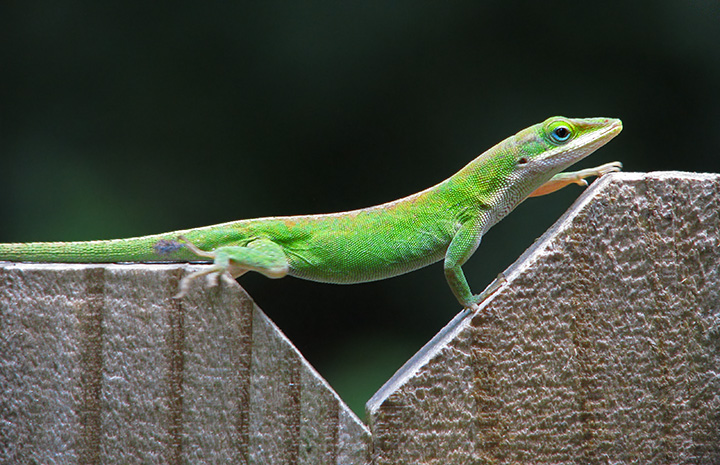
443, 222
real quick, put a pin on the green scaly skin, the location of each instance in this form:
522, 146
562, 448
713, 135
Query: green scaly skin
445, 221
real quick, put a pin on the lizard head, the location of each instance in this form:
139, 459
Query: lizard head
545, 149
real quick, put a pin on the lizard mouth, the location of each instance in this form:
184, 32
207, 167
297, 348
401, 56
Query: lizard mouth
614, 128
602, 136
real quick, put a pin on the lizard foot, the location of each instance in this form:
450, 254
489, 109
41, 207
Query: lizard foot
490, 290
220, 269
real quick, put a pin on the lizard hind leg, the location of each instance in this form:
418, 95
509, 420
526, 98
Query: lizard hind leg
230, 262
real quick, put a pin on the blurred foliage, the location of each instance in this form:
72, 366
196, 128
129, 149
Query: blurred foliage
132, 118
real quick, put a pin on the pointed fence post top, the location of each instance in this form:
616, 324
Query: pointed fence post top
602, 342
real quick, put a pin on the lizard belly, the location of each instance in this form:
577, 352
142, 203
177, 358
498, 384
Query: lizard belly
354, 258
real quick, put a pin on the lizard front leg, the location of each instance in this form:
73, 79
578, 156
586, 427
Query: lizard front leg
561, 180
462, 246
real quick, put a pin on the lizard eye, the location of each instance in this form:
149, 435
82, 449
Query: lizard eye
560, 134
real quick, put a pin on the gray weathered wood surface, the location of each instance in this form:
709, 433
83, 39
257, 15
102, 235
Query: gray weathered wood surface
603, 346
99, 365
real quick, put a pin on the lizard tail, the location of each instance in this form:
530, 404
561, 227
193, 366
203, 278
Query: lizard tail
161, 248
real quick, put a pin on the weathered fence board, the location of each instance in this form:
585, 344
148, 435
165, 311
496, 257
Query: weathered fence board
99, 365
603, 346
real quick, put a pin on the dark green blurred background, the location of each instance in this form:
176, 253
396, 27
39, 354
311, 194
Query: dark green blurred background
122, 119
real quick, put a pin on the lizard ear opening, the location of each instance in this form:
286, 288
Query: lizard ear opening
523, 161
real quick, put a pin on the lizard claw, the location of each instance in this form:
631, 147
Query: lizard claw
222, 268
212, 273
212, 279
611, 167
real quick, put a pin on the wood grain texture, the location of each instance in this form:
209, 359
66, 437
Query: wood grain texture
99, 365
603, 346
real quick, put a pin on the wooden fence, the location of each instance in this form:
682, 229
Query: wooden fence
602, 346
